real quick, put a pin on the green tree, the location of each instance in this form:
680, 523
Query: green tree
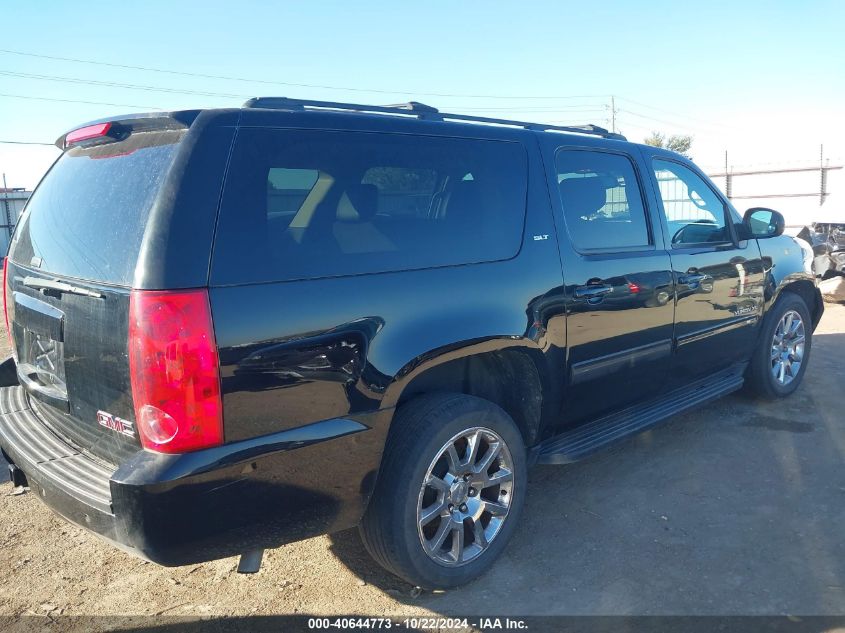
680, 143
400, 179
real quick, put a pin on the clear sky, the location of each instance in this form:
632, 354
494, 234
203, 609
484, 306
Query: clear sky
763, 80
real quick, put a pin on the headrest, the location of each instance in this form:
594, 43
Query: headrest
466, 195
359, 203
584, 196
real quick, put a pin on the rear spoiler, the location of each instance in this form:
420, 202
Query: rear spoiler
117, 128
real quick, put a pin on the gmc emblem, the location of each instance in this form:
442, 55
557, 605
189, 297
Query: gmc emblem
115, 423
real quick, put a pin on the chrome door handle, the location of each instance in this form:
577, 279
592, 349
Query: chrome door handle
592, 291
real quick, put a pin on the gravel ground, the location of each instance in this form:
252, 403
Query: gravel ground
736, 508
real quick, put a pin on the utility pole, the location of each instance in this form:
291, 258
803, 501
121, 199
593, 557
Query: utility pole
822, 176
613, 114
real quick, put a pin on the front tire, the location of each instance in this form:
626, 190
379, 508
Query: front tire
450, 491
782, 354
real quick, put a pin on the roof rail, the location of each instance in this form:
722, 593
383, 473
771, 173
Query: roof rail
420, 111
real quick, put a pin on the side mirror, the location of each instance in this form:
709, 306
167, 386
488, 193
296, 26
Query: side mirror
760, 223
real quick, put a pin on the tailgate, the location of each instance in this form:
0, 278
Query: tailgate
70, 269
71, 354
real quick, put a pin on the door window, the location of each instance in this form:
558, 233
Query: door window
694, 213
601, 199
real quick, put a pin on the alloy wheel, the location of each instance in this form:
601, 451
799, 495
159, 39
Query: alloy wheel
788, 348
465, 496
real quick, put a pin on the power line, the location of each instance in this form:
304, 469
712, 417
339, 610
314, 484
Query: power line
119, 105
113, 84
315, 86
675, 114
650, 118
306, 85
577, 109
568, 110
585, 107
539, 116
26, 143
577, 123
286, 83
147, 88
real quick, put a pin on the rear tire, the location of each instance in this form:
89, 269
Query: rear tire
783, 351
443, 511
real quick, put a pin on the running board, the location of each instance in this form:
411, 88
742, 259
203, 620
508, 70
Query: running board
579, 442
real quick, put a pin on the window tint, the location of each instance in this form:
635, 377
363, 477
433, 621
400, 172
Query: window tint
88, 215
287, 189
304, 204
402, 191
694, 212
601, 200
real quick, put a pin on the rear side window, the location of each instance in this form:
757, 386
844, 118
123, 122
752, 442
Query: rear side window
287, 189
403, 191
87, 217
601, 200
302, 204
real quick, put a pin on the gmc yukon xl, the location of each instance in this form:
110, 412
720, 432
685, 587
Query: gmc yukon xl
237, 328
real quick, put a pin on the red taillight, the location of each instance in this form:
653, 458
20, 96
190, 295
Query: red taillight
174, 370
6, 300
86, 133
633, 287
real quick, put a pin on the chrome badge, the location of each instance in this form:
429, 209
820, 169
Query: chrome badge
115, 423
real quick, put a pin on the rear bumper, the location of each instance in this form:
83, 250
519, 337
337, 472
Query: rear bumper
194, 507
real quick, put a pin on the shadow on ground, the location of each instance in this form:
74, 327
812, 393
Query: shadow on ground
734, 508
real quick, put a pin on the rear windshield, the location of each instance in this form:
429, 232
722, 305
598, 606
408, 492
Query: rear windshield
87, 217
306, 204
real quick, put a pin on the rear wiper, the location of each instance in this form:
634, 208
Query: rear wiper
59, 286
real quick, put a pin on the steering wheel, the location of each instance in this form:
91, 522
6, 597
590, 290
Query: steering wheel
677, 238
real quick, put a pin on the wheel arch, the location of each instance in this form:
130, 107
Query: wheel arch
809, 293
783, 262
759, 378
800, 285
506, 371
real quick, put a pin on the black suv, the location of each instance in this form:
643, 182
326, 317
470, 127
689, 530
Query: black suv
237, 328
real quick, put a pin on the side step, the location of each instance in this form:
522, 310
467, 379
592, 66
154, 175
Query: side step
584, 440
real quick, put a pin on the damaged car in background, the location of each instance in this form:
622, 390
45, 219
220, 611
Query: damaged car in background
827, 242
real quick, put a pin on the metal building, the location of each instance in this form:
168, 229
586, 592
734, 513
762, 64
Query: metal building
12, 202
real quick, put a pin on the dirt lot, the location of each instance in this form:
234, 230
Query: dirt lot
737, 508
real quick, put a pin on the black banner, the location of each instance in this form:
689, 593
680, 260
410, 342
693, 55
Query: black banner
434, 623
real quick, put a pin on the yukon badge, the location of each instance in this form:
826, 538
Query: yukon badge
115, 423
